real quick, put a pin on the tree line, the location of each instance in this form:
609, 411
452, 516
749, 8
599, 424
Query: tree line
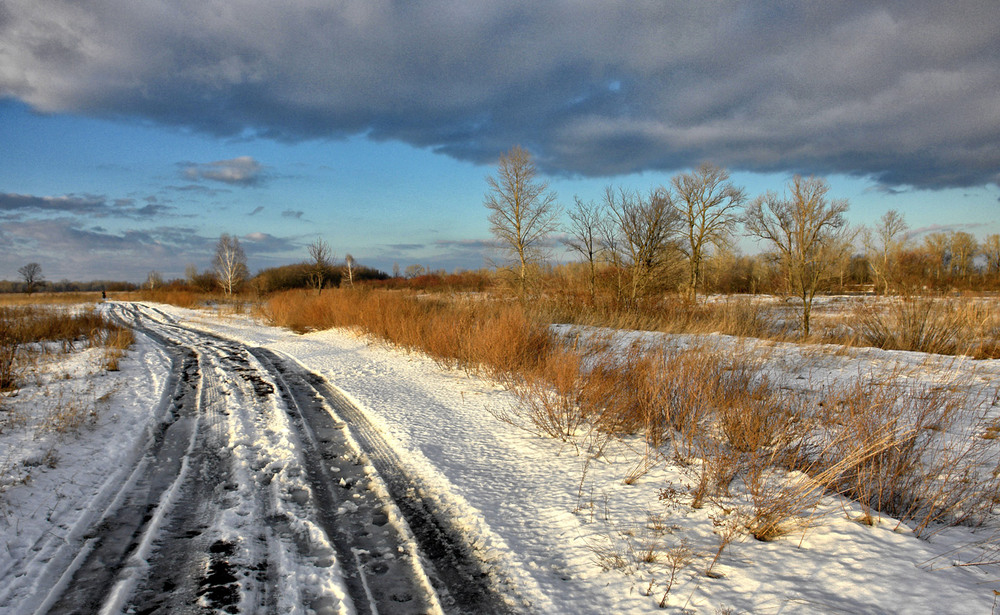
637, 244
229, 272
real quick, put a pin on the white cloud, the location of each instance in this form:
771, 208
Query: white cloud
242, 171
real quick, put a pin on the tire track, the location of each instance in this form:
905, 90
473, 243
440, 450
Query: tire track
463, 581
261, 480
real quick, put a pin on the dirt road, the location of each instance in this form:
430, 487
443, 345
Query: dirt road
262, 490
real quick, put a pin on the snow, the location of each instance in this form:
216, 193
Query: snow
543, 513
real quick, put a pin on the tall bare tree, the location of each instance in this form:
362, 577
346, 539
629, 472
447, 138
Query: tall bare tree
523, 212
809, 232
32, 276
230, 263
884, 246
708, 205
319, 252
585, 235
349, 264
640, 233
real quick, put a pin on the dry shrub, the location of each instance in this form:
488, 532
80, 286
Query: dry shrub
664, 394
892, 448
68, 415
482, 336
928, 467
548, 400
10, 342
927, 324
716, 471
752, 413
28, 326
115, 341
173, 296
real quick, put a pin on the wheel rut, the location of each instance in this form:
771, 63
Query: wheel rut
263, 490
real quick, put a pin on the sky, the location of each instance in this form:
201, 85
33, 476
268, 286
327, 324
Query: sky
133, 134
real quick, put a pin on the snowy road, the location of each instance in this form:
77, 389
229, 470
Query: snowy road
254, 496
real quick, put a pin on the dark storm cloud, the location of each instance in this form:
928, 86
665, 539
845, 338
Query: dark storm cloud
241, 171
12, 206
902, 91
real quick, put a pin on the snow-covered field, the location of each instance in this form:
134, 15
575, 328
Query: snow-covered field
558, 525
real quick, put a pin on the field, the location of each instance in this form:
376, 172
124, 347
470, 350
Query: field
716, 465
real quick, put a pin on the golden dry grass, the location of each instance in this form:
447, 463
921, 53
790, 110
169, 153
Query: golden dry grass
37, 299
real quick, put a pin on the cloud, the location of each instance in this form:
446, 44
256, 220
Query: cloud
902, 92
128, 254
98, 253
291, 213
467, 244
256, 210
945, 228
14, 206
241, 171
265, 243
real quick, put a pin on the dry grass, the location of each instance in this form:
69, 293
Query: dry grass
29, 329
491, 338
928, 324
37, 299
930, 470
738, 316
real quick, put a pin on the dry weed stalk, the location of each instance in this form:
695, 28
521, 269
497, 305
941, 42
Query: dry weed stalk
677, 558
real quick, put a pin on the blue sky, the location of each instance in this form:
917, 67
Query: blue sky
133, 134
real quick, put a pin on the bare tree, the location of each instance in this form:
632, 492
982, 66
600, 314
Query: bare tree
991, 250
319, 251
32, 276
937, 246
809, 232
415, 271
964, 249
230, 263
884, 246
585, 235
154, 280
640, 235
523, 212
349, 263
708, 205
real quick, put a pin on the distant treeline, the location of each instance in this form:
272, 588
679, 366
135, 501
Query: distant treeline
66, 286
